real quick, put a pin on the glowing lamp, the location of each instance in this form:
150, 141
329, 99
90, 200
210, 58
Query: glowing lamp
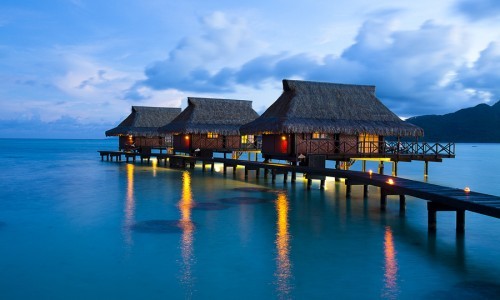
187, 137
283, 137
390, 181
370, 172
467, 189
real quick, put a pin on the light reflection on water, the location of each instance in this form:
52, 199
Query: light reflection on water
154, 166
129, 205
391, 289
283, 272
185, 206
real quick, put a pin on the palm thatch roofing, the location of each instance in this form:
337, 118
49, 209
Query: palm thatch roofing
203, 115
144, 121
307, 107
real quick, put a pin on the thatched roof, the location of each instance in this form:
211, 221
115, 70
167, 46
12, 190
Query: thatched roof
203, 115
144, 121
307, 107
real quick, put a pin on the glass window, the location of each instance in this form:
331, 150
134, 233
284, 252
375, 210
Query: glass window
247, 139
212, 135
319, 135
368, 143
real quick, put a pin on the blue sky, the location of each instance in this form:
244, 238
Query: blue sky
73, 68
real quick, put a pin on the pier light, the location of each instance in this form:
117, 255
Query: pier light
390, 181
187, 137
283, 137
467, 189
370, 172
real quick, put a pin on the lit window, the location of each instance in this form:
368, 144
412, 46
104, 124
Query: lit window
212, 135
368, 143
319, 135
247, 139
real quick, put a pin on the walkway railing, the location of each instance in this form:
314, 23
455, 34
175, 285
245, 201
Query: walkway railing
414, 148
376, 148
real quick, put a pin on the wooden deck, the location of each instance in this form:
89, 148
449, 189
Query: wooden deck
440, 198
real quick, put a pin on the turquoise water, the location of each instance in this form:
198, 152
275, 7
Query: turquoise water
73, 227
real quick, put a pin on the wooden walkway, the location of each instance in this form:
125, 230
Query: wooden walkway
440, 198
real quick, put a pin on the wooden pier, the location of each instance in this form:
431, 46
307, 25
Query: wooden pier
440, 198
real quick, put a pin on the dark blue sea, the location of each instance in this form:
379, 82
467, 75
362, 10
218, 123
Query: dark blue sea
75, 227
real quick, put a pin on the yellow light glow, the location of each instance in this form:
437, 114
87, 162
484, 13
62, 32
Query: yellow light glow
217, 169
154, 164
129, 204
185, 206
283, 137
390, 181
467, 189
284, 267
391, 289
370, 172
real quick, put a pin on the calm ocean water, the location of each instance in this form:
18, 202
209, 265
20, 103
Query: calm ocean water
73, 227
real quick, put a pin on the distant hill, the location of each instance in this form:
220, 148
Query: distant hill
478, 124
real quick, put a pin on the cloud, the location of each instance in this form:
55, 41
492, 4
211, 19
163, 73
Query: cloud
482, 79
64, 127
205, 63
479, 9
418, 71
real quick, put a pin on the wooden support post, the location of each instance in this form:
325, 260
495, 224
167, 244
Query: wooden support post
426, 169
234, 170
225, 169
257, 173
348, 190
337, 166
212, 167
363, 166
460, 220
246, 172
266, 172
309, 183
322, 184
402, 203
394, 168
365, 191
381, 167
273, 176
383, 199
431, 218
433, 208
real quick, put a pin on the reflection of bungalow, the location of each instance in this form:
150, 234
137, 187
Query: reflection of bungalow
335, 121
140, 128
211, 125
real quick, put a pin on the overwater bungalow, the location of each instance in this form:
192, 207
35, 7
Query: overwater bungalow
139, 131
210, 125
330, 121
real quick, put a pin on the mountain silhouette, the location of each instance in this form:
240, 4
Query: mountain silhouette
478, 124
